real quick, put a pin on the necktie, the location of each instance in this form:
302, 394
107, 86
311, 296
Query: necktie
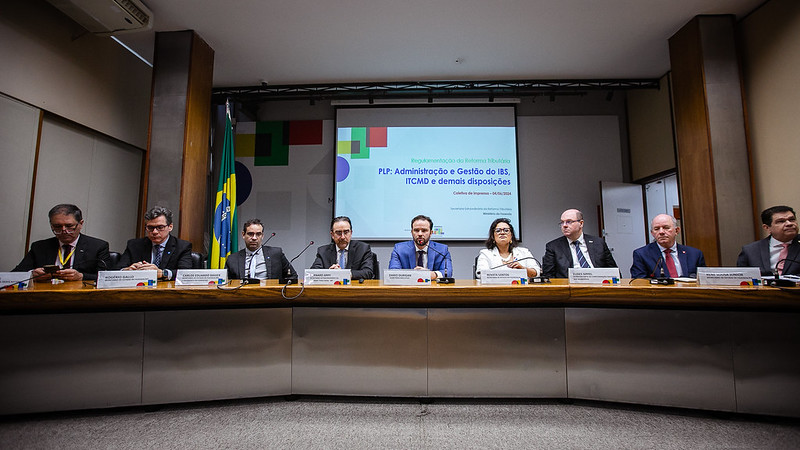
782, 257
673, 271
341, 258
67, 263
419, 258
253, 266
581, 259
157, 259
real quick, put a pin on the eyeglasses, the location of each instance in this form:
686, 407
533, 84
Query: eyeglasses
341, 233
61, 229
151, 228
567, 222
502, 230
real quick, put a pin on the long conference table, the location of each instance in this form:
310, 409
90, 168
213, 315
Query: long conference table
69, 346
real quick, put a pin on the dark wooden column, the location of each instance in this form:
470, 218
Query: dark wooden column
713, 158
177, 160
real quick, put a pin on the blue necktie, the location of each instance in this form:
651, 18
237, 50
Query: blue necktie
157, 259
581, 259
341, 258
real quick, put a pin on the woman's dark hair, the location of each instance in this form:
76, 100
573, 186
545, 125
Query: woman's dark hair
490, 241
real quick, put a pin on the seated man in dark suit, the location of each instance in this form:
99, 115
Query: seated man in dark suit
665, 258
415, 255
77, 255
780, 250
258, 261
574, 249
345, 253
159, 250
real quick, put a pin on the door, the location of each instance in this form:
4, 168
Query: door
624, 226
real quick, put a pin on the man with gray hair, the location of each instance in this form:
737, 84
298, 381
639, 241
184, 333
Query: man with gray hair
159, 250
664, 257
75, 255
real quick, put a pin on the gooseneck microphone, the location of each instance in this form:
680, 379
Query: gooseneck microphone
505, 264
270, 237
778, 281
537, 279
287, 278
445, 279
662, 278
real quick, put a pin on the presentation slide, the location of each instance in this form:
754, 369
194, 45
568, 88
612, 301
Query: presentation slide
457, 165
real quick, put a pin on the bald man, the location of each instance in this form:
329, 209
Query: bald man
574, 249
664, 257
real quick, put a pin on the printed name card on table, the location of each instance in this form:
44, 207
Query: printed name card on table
201, 277
729, 276
406, 277
114, 279
504, 276
16, 280
327, 277
597, 275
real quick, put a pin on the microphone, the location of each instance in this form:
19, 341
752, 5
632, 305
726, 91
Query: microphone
537, 279
521, 259
662, 278
778, 281
270, 237
445, 279
287, 278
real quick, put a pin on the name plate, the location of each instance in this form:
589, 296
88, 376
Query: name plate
201, 277
328, 277
406, 277
16, 280
729, 276
597, 275
504, 276
112, 279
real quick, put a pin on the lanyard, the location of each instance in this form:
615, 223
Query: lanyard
61, 258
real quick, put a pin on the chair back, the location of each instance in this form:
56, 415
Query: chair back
113, 260
198, 261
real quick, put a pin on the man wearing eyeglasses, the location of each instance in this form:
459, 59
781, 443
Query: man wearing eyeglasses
77, 256
258, 261
574, 249
344, 252
159, 250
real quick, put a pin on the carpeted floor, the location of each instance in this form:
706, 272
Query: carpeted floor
346, 423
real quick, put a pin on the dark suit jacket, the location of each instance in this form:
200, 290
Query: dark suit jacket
277, 264
756, 254
646, 261
91, 255
177, 254
558, 258
359, 259
404, 256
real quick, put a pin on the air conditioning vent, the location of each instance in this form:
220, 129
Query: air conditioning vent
107, 17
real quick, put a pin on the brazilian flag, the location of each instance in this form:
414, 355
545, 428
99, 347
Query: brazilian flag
225, 240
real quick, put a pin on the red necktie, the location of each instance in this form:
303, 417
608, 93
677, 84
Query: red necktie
782, 257
673, 271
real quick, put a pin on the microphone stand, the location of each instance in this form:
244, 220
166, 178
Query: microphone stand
663, 279
778, 281
286, 278
445, 279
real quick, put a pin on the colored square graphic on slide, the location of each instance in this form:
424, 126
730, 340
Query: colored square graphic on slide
357, 141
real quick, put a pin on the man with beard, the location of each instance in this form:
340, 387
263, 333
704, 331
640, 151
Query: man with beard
416, 255
344, 252
258, 261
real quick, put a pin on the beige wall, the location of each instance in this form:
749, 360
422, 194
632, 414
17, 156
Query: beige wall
770, 39
650, 128
50, 62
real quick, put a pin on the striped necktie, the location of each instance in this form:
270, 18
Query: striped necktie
581, 259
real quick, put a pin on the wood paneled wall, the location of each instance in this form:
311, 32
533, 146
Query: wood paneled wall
713, 163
